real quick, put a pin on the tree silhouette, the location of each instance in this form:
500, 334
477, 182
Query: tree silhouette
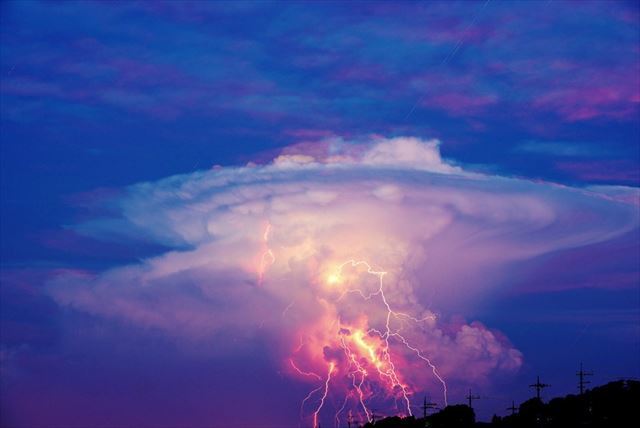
614, 405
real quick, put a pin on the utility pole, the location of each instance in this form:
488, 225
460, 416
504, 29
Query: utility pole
472, 397
539, 387
582, 374
426, 406
513, 408
350, 419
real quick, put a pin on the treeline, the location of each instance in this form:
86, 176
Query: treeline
614, 405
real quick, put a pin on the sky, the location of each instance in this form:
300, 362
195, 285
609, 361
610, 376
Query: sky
277, 214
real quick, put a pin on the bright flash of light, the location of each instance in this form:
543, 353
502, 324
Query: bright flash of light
333, 279
370, 368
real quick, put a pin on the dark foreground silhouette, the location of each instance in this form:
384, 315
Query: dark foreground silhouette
614, 405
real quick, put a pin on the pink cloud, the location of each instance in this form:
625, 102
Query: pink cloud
335, 256
584, 103
581, 93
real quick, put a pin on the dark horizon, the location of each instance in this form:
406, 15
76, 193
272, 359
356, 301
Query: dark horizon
607, 405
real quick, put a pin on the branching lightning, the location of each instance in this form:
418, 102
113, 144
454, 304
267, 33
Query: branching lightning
302, 372
324, 395
369, 369
368, 351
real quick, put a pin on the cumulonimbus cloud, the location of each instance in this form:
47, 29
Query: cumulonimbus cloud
295, 249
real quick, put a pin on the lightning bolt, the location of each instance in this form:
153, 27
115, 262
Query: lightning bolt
312, 374
341, 409
315, 420
267, 259
363, 375
368, 352
388, 333
324, 395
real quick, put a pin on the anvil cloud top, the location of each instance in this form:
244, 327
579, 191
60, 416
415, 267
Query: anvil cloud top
272, 214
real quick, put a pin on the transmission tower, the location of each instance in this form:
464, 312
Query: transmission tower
539, 387
426, 406
582, 382
472, 397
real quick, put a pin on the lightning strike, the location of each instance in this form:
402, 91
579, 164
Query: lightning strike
317, 376
388, 333
344, 404
305, 400
268, 258
368, 353
324, 396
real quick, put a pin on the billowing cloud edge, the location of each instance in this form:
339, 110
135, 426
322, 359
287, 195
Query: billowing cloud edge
254, 248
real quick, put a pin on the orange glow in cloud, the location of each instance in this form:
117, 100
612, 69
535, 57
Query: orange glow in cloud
362, 365
333, 279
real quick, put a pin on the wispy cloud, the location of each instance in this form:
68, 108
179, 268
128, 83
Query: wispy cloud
565, 149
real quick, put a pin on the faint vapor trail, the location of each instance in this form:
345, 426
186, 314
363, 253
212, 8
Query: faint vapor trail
451, 54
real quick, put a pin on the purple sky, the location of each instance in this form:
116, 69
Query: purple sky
485, 155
